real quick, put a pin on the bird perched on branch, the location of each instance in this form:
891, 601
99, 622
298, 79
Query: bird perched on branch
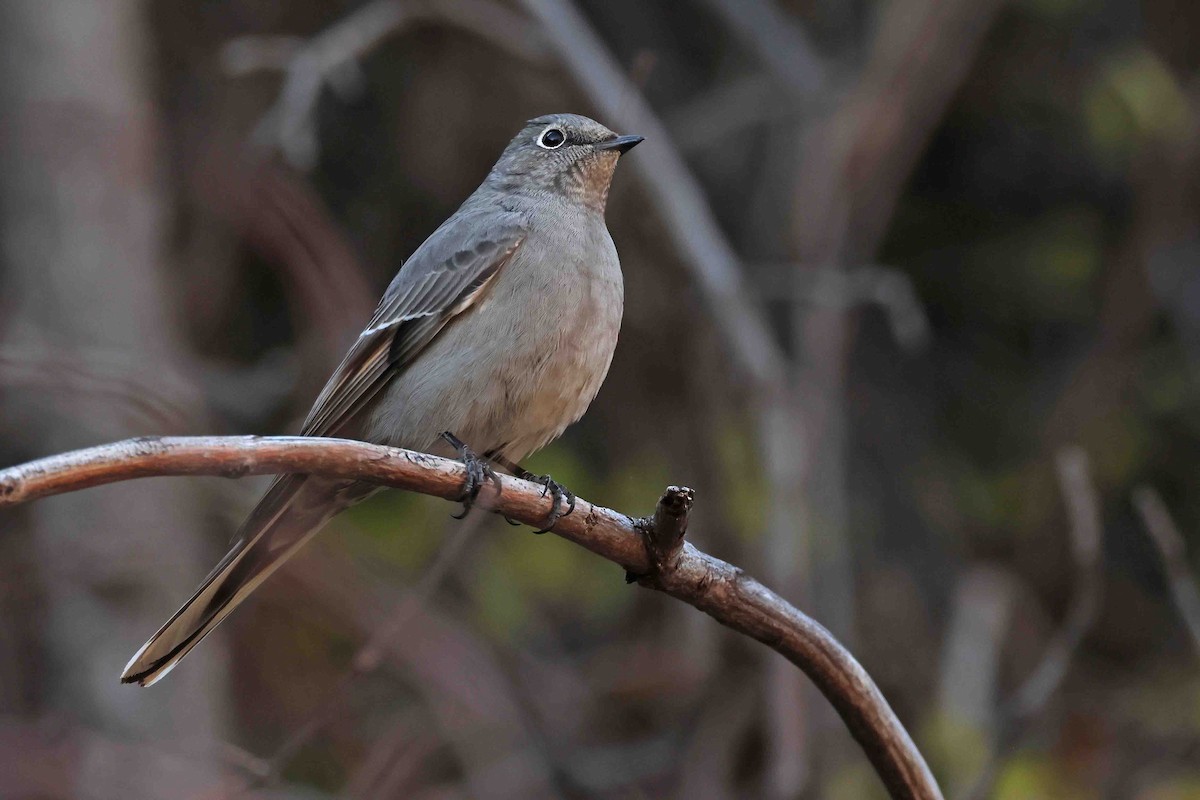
493, 338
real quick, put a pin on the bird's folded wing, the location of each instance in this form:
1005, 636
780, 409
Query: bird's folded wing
443, 278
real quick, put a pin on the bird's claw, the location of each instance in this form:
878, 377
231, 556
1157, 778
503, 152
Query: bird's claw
549, 486
479, 472
557, 493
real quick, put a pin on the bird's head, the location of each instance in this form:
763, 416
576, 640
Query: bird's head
562, 154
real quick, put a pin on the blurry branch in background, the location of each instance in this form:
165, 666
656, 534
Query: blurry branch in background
711, 755
856, 169
466, 691
680, 201
394, 760
778, 41
1170, 545
1086, 535
854, 162
159, 397
288, 225
709, 117
886, 287
971, 657
651, 550
43, 758
329, 60
380, 639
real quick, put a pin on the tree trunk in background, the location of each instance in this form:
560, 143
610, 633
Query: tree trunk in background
81, 227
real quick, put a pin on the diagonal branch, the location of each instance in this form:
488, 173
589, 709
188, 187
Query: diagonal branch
652, 550
1185, 589
778, 41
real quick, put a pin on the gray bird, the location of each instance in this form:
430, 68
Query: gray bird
493, 338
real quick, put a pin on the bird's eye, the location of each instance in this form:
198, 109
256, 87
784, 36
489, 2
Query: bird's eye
551, 139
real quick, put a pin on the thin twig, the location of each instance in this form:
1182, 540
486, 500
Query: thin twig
393, 759
1185, 590
1086, 533
159, 396
711, 585
370, 656
330, 59
462, 685
844, 288
1083, 509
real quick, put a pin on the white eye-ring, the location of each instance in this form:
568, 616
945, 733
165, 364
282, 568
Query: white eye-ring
552, 138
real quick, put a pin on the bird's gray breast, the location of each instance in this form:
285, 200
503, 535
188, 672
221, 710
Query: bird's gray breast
526, 361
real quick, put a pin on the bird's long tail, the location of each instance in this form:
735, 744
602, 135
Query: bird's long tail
294, 509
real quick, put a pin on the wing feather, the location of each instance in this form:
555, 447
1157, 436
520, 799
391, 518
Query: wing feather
442, 279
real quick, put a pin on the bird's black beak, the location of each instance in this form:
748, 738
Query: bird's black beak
622, 144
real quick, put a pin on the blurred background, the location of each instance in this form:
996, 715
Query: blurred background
912, 303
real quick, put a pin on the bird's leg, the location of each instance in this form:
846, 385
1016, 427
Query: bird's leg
557, 491
479, 472
503, 463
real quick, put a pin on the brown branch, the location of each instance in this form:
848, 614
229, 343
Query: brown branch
1185, 590
707, 583
664, 531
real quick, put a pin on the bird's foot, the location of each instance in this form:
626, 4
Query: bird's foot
556, 490
558, 493
479, 472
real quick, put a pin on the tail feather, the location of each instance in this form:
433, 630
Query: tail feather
289, 514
